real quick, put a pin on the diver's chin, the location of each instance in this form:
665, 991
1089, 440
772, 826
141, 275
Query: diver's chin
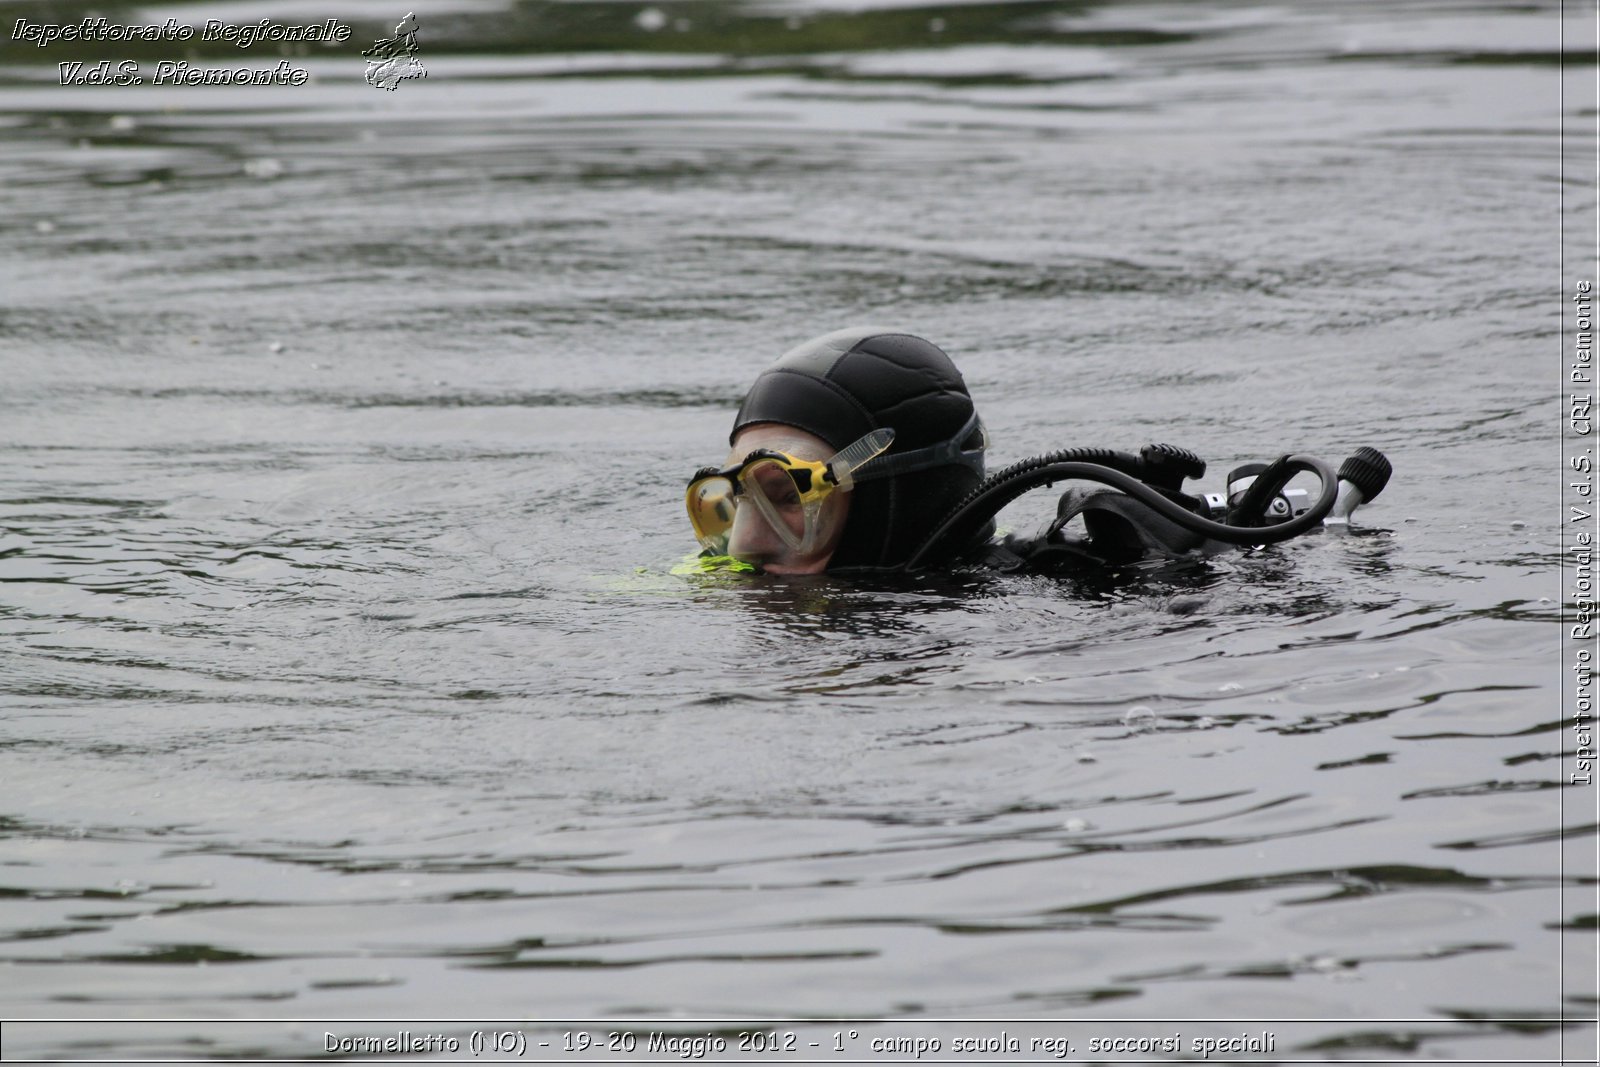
790, 569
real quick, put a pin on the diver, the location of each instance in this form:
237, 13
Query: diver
861, 451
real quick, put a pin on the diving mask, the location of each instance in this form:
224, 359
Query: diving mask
787, 492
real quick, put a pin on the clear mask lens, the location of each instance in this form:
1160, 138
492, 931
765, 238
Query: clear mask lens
773, 489
711, 512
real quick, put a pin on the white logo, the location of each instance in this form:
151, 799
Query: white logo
394, 59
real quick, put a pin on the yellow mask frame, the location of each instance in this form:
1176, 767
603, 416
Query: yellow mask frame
786, 491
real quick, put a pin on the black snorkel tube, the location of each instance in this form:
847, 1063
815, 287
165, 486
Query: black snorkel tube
1153, 477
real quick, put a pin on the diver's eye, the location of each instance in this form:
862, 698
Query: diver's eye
776, 494
775, 484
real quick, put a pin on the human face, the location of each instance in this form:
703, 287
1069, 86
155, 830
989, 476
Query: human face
752, 539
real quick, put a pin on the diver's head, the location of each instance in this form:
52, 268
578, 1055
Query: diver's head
830, 401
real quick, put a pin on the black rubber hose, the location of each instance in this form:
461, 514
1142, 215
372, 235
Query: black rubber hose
984, 502
1002, 487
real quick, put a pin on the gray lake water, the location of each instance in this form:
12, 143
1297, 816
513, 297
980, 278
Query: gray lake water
345, 673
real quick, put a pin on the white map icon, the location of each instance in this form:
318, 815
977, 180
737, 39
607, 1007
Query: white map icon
394, 59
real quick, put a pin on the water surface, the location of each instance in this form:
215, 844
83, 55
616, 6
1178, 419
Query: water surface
346, 674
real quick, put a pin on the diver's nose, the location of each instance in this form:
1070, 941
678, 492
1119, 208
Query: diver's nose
752, 539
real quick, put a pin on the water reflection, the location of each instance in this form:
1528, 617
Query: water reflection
348, 672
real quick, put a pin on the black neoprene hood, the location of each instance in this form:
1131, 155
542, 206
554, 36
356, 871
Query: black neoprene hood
845, 384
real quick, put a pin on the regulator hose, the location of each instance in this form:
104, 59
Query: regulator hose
1119, 470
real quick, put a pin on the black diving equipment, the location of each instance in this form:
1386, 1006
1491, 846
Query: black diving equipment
1145, 513
1362, 476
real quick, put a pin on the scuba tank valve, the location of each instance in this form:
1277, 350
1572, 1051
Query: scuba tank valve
1226, 506
1362, 477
